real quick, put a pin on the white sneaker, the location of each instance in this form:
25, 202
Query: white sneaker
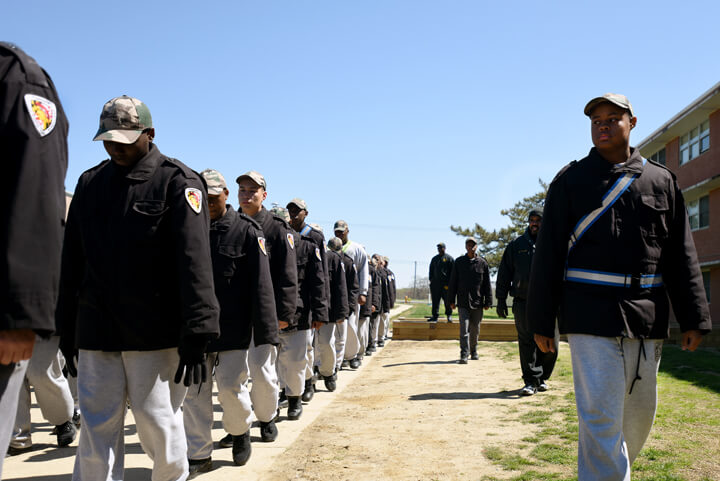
528, 390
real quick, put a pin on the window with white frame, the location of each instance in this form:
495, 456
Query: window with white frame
695, 142
659, 156
699, 212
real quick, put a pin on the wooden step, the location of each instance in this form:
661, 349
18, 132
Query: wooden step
421, 330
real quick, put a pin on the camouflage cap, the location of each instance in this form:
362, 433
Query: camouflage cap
298, 202
123, 119
471, 239
335, 244
255, 177
340, 225
215, 181
316, 227
280, 212
617, 99
441, 244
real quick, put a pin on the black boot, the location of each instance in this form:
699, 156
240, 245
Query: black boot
268, 431
241, 449
282, 399
309, 392
294, 408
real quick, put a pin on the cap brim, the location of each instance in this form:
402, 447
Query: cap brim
599, 100
248, 177
215, 190
119, 136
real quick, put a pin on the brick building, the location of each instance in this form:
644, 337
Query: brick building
689, 145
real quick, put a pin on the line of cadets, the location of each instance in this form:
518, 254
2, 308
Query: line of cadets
308, 310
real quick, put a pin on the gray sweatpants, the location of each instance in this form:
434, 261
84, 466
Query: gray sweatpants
363, 335
106, 381
383, 324
52, 391
231, 375
353, 343
264, 391
613, 424
292, 361
325, 348
340, 341
11, 379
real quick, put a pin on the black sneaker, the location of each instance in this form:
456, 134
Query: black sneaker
355, 363
330, 383
294, 408
368, 352
76, 418
66, 433
542, 387
345, 364
198, 466
432, 319
474, 356
226, 442
309, 392
241, 449
268, 431
282, 399
372, 348
528, 390
381, 343
463, 360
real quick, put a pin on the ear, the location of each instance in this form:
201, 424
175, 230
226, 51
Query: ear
633, 122
151, 134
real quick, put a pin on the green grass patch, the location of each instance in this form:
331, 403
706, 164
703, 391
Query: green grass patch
424, 310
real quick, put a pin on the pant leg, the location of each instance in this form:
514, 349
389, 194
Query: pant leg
435, 296
264, 392
310, 353
547, 360
325, 342
233, 393
464, 314
599, 379
446, 301
640, 406
12, 377
198, 416
156, 401
102, 393
340, 338
291, 361
532, 372
382, 326
372, 338
353, 343
52, 390
474, 329
387, 325
22, 432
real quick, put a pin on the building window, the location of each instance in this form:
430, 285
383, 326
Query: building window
695, 142
706, 281
659, 156
699, 213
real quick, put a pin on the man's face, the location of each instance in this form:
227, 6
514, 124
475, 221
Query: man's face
297, 216
610, 127
216, 204
534, 224
250, 196
342, 235
441, 250
127, 155
470, 248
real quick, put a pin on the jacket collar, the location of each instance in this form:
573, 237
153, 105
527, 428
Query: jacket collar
146, 166
224, 222
633, 165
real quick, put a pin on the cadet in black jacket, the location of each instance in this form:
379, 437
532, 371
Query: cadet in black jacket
513, 278
614, 248
33, 144
136, 284
280, 246
439, 275
368, 316
247, 311
392, 287
377, 327
352, 286
470, 283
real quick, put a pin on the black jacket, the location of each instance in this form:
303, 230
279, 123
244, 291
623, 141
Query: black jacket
645, 232
339, 307
319, 239
514, 271
311, 302
392, 285
352, 282
470, 283
440, 270
242, 283
384, 290
33, 142
280, 246
136, 267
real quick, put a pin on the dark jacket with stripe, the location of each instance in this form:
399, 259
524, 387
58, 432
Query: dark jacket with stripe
514, 272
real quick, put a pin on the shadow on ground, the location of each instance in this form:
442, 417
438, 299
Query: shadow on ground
464, 395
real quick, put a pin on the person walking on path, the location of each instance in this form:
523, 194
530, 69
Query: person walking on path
440, 268
614, 253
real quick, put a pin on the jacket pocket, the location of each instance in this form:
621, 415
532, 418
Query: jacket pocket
654, 208
229, 259
146, 217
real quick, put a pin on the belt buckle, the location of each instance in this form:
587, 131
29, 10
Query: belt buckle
635, 281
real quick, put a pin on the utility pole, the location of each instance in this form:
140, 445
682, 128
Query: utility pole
415, 282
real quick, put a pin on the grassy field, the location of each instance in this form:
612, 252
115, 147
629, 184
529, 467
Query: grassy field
424, 310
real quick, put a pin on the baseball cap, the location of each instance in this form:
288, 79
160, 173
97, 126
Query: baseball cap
340, 225
123, 119
441, 244
335, 244
471, 239
538, 211
316, 227
298, 202
255, 177
617, 99
280, 212
215, 181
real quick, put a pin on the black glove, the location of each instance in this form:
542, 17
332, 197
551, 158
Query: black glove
502, 308
67, 348
192, 360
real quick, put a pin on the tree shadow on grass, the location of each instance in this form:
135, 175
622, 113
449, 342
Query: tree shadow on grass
459, 396
701, 368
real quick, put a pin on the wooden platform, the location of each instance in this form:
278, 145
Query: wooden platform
416, 329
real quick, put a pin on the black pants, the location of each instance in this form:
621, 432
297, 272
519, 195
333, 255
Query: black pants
536, 365
437, 292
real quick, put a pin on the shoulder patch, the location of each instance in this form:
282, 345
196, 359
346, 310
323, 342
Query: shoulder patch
261, 243
317, 254
43, 113
291, 240
193, 197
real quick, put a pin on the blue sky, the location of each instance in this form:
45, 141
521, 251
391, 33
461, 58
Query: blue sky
401, 117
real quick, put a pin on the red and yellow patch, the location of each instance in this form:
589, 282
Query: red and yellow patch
194, 199
43, 113
291, 240
261, 243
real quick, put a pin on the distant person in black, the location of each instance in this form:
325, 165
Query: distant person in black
33, 145
513, 278
470, 284
440, 268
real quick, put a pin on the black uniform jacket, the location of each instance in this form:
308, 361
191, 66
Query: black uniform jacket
339, 307
514, 272
136, 267
33, 142
242, 283
646, 231
373, 293
353, 284
384, 290
311, 303
319, 239
440, 270
392, 285
470, 283
280, 245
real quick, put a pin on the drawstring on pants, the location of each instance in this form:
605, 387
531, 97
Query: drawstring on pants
641, 351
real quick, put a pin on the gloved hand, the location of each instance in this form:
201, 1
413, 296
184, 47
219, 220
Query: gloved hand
502, 308
67, 348
192, 360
